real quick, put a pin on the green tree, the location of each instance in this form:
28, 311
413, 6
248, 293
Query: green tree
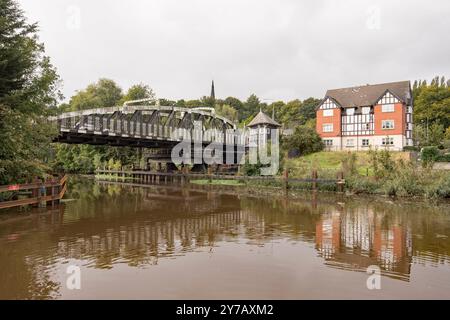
138, 92
28, 93
250, 108
104, 93
304, 139
235, 103
226, 111
308, 108
432, 103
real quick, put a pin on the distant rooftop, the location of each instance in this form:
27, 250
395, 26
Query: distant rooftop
369, 94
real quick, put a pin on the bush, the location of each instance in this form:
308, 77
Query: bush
429, 154
440, 189
305, 140
411, 148
359, 184
444, 158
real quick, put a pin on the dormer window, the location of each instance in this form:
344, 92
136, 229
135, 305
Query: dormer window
365, 110
350, 111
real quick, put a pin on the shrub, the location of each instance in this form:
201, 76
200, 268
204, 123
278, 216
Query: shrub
444, 158
359, 184
411, 148
440, 189
429, 154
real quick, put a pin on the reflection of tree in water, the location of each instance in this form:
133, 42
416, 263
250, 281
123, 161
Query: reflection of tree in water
27, 257
109, 224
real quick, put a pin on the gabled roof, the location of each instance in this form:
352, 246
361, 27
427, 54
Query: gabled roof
368, 95
262, 118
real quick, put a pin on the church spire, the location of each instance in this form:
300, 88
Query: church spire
213, 94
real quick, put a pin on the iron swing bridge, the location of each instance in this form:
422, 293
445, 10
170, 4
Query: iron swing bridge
159, 128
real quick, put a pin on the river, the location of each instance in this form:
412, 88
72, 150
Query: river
122, 241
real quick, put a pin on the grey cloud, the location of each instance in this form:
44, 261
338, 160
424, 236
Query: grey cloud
276, 49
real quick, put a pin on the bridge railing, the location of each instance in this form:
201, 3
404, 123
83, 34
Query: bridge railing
97, 125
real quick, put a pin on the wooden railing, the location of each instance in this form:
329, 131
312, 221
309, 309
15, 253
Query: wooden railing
180, 176
49, 192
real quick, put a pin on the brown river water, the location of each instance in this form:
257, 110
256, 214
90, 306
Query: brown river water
172, 242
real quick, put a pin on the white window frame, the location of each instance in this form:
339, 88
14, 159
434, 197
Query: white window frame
387, 139
348, 144
328, 142
365, 145
365, 110
328, 112
390, 107
327, 127
384, 124
350, 111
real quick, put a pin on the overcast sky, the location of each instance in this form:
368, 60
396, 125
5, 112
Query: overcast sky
279, 50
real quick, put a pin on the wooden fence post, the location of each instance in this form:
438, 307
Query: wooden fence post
286, 179
209, 174
314, 178
340, 182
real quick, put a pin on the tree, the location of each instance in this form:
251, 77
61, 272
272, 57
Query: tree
138, 92
250, 108
104, 93
432, 103
208, 102
234, 102
28, 93
226, 111
305, 139
308, 108
436, 134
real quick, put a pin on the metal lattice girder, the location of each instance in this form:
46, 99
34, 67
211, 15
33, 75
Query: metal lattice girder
156, 125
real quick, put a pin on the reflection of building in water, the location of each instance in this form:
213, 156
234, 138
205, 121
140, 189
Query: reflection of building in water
360, 238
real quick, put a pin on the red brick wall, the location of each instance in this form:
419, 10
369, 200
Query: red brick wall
335, 120
398, 116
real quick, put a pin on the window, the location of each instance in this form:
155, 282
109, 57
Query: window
365, 142
350, 143
328, 113
328, 127
387, 141
387, 124
388, 108
350, 111
388, 98
366, 126
365, 110
328, 142
328, 104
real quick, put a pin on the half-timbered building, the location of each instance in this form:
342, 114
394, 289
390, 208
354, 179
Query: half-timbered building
357, 118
